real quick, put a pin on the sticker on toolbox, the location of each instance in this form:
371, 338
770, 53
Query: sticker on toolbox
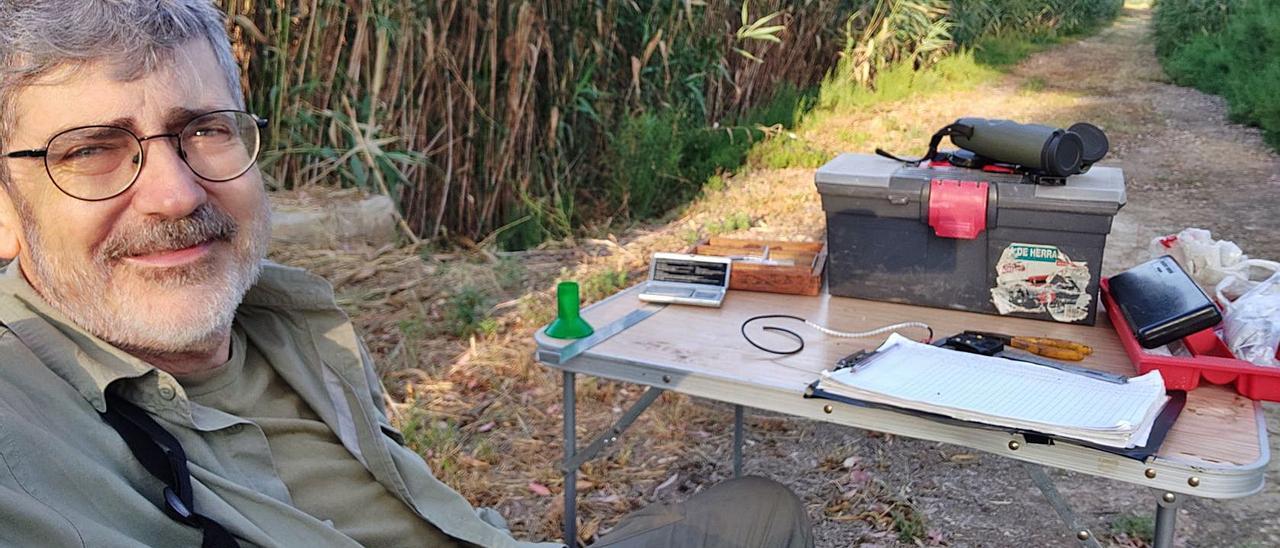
1041, 278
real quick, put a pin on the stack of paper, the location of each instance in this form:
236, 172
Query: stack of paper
1002, 392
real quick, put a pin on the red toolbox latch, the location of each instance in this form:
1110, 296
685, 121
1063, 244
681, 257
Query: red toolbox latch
957, 209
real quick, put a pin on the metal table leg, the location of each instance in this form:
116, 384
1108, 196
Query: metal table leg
1166, 516
573, 458
737, 441
610, 436
1045, 484
570, 472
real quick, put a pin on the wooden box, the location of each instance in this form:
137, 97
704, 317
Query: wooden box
771, 266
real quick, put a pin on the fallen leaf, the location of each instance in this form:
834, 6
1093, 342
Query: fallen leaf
539, 489
859, 477
671, 480
473, 462
608, 499
589, 530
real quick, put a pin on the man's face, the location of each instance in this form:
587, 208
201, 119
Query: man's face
160, 268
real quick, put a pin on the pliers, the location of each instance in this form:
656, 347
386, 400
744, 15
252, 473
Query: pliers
992, 344
1057, 349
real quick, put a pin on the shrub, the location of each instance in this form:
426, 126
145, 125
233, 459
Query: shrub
1226, 47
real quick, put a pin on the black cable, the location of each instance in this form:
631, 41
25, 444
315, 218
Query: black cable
796, 336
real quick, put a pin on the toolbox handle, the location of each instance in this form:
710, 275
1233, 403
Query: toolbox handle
958, 209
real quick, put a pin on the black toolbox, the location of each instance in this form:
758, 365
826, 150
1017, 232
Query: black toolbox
967, 239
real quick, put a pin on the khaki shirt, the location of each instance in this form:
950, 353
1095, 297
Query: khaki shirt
68, 479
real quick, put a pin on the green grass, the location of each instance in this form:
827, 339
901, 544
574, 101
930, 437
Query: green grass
715, 183
1229, 48
1010, 49
602, 284
509, 273
438, 438
785, 151
902, 82
908, 522
734, 222
466, 314
662, 160
1034, 84
1135, 527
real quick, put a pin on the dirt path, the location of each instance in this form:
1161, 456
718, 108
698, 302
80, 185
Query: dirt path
1185, 165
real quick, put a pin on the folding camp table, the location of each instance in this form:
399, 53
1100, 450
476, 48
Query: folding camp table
1217, 448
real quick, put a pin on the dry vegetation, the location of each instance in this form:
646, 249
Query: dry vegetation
481, 115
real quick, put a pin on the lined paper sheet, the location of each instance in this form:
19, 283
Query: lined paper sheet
1003, 392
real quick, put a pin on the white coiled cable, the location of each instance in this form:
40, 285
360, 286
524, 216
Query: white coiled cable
870, 333
822, 329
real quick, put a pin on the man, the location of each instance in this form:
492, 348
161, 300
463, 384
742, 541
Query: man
162, 385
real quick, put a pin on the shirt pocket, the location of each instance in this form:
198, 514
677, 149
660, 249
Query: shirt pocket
390, 432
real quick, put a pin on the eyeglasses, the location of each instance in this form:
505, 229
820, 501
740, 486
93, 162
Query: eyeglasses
95, 163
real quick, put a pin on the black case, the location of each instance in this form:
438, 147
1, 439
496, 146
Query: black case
1162, 303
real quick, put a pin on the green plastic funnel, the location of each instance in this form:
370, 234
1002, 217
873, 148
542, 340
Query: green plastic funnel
569, 323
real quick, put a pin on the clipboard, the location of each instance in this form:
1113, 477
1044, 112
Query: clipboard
1159, 430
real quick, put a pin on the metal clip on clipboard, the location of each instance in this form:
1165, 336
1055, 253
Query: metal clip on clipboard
854, 360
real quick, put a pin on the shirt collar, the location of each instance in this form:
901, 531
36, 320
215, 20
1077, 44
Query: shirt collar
280, 286
86, 362
90, 364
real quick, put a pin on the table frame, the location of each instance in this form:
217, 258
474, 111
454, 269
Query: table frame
1170, 477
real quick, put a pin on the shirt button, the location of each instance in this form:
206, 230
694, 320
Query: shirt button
167, 392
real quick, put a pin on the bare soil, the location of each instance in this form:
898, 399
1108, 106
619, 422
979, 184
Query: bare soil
492, 415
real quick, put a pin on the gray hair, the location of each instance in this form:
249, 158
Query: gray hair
135, 37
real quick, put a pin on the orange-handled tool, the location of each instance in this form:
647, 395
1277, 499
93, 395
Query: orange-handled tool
1058, 349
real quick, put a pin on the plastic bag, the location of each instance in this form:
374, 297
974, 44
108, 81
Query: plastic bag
1207, 260
1256, 271
1251, 323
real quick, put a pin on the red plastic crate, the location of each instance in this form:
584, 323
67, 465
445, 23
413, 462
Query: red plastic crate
1210, 361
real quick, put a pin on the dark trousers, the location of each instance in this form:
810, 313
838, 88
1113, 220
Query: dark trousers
749, 512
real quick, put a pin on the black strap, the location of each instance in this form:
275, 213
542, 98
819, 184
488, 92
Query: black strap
163, 457
947, 131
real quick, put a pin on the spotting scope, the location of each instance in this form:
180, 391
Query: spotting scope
1048, 150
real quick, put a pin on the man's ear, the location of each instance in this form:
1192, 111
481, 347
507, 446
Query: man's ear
10, 225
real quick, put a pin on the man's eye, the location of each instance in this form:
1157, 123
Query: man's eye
86, 152
212, 131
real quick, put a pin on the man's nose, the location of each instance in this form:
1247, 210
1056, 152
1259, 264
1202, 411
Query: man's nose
166, 186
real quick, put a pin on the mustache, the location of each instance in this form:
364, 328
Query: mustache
207, 223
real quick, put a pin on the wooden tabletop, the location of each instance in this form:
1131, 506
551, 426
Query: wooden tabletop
1217, 429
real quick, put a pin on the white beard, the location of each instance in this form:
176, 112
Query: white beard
133, 315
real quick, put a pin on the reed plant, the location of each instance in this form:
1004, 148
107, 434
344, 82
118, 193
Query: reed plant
517, 121
978, 19
484, 116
